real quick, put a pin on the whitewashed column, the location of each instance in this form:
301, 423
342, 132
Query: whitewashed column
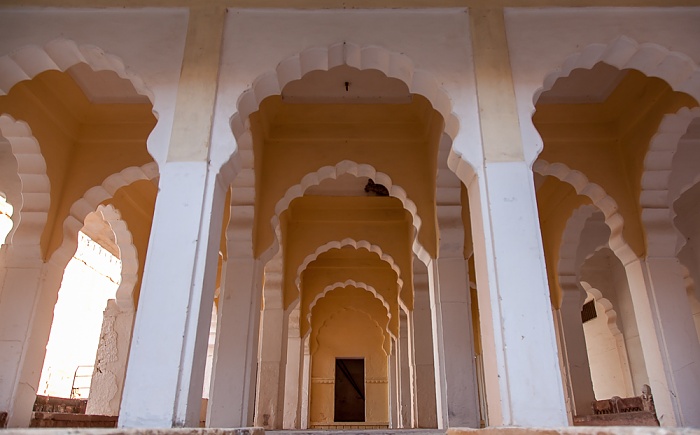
423, 337
405, 374
168, 351
574, 346
393, 387
293, 376
108, 375
273, 343
521, 365
29, 294
453, 340
677, 339
305, 384
232, 392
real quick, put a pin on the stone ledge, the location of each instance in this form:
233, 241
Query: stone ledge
576, 430
153, 431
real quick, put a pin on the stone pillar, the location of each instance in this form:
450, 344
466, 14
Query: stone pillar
273, 355
393, 386
423, 337
521, 365
293, 376
406, 420
453, 340
677, 340
232, 393
573, 343
168, 351
305, 384
29, 294
110, 361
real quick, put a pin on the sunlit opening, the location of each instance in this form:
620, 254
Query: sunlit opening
90, 279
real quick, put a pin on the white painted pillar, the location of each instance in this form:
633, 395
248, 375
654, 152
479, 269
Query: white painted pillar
453, 339
678, 380
29, 294
393, 387
110, 361
19, 290
521, 366
232, 392
293, 376
405, 373
165, 374
273, 346
423, 336
305, 384
573, 342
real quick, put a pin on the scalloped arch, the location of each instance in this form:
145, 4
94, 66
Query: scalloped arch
610, 313
677, 69
60, 54
604, 202
683, 239
393, 65
362, 244
92, 199
570, 239
351, 283
127, 254
30, 215
358, 170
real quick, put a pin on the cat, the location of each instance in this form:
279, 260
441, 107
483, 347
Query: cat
377, 189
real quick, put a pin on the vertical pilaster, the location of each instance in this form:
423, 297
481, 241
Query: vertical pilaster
574, 347
423, 336
453, 339
273, 342
394, 386
521, 365
20, 290
232, 394
677, 339
522, 373
168, 351
405, 374
292, 379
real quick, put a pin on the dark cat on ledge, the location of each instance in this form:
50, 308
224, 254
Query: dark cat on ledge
377, 189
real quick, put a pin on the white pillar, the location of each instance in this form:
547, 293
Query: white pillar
453, 339
168, 351
405, 375
521, 365
305, 384
423, 337
393, 387
293, 376
273, 347
29, 294
573, 342
677, 339
19, 290
232, 392
110, 361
